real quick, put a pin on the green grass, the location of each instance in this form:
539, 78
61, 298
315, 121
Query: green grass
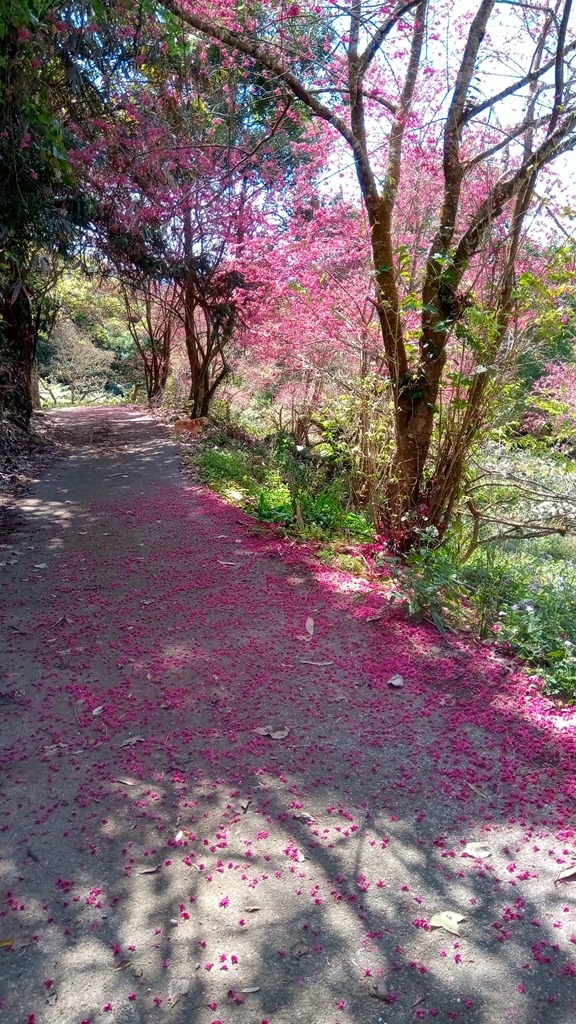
524, 593
520, 593
276, 484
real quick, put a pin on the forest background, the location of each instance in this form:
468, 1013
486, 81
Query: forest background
344, 234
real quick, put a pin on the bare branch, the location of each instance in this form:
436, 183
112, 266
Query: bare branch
397, 134
453, 129
432, 343
509, 136
381, 33
357, 112
532, 76
561, 141
392, 107
559, 67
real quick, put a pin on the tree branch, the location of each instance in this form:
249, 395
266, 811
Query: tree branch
381, 33
559, 67
252, 49
562, 140
532, 76
509, 136
397, 134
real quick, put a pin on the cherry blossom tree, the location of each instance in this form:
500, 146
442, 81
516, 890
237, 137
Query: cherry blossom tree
179, 184
151, 311
492, 110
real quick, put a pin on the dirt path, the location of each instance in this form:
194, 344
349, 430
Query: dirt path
152, 841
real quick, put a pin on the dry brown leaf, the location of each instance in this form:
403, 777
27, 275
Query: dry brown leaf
248, 991
299, 949
477, 850
378, 993
317, 664
310, 626
6, 943
123, 965
448, 920
396, 681
125, 782
177, 988
251, 910
476, 790
567, 875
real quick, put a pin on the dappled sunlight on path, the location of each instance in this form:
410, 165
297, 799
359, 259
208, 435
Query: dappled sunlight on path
158, 850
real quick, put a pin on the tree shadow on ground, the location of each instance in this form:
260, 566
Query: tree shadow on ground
150, 835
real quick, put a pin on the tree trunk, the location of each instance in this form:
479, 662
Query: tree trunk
35, 388
414, 393
201, 394
17, 341
406, 509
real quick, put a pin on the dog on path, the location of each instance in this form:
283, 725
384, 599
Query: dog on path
191, 427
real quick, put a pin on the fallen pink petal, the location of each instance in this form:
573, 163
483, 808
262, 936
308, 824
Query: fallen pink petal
126, 835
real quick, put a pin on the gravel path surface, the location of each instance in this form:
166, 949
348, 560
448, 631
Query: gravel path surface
163, 861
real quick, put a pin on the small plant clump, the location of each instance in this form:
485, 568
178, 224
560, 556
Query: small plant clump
280, 482
521, 595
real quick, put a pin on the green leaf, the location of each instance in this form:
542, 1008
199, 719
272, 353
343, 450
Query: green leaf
436, 619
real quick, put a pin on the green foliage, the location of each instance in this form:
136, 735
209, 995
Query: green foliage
550, 299
525, 594
357, 435
428, 581
521, 594
40, 206
75, 364
319, 490
280, 482
97, 309
517, 585
344, 561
